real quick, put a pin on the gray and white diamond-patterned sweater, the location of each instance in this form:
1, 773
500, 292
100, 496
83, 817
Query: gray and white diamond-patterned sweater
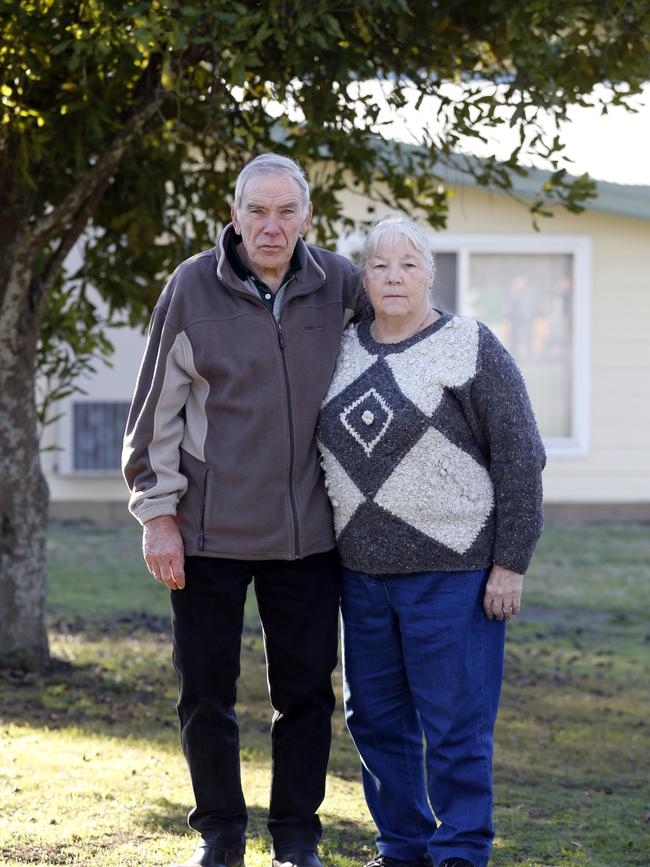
431, 452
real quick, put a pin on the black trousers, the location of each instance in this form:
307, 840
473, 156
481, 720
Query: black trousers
298, 604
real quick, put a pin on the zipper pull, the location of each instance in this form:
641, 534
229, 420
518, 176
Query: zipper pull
280, 337
201, 541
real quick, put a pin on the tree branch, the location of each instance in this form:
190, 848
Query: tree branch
152, 97
98, 176
43, 282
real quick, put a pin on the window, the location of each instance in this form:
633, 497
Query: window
533, 292
97, 432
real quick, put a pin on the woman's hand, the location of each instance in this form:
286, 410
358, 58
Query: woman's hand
503, 593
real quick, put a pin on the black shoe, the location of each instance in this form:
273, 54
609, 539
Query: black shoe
297, 858
456, 862
209, 854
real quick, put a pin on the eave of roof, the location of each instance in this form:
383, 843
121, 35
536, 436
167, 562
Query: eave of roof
629, 200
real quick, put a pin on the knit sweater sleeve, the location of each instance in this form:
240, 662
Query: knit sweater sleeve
506, 422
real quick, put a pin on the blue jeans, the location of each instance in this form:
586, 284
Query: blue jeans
421, 659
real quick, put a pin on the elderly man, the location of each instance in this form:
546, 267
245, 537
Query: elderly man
220, 458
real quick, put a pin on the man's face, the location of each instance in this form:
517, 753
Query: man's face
270, 220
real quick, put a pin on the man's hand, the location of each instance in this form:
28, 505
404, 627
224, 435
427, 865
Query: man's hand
503, 593
162, 547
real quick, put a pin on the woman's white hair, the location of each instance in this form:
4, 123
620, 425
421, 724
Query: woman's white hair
271, 164
391, 226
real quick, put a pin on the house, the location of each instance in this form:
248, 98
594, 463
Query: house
571, 302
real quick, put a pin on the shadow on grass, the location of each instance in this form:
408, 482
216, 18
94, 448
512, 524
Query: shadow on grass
166, 817
118, 679
339, 834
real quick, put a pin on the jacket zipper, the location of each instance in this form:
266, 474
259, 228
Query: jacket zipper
292, 496
292, 445
204, 493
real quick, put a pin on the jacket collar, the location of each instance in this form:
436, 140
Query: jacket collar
308, 274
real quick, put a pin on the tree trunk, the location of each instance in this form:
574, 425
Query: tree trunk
23, 489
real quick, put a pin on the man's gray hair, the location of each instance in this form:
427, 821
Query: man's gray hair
271, 164
388, 228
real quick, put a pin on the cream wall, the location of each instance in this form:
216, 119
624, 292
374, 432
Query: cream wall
109, 383
616, 467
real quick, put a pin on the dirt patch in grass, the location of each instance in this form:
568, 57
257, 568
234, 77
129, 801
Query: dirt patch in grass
66, 853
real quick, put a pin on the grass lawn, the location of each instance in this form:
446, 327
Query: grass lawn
91, 772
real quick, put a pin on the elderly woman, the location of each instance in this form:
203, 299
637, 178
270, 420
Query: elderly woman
433, 464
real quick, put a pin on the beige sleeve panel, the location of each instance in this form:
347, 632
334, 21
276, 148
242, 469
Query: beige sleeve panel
155, 429
196, 420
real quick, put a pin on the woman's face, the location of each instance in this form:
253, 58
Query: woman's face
398, 279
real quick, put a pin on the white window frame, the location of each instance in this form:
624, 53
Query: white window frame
65, 438
577, 246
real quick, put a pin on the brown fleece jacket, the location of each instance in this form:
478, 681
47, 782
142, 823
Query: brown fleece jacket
221, 428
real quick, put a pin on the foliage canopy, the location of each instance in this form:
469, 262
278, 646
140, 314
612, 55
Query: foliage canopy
192, 90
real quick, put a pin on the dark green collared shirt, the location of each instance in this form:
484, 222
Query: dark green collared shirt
242, 270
